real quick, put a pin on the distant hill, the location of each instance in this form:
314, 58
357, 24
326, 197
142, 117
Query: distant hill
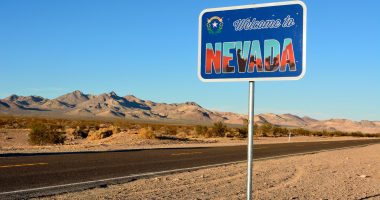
110, 105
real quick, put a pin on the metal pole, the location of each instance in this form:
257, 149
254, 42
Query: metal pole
250, 138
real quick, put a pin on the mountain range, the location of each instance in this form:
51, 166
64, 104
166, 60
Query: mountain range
110, 105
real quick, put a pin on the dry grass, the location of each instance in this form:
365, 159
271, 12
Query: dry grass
147, 133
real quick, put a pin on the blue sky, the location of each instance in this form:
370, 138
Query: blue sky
49, 48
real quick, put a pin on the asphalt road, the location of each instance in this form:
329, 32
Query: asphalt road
27, 171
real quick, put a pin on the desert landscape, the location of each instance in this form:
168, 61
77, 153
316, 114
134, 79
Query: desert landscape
189, 100
286, 178
33, 126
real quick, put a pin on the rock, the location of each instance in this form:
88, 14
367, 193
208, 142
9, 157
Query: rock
363, 176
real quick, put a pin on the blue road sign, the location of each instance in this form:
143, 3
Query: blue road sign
253, 42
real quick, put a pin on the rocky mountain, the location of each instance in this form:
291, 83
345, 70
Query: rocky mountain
110, 105
293, 121
74, 98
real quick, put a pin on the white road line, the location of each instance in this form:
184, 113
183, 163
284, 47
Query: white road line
122, 177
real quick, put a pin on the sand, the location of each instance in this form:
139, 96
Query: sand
341, 174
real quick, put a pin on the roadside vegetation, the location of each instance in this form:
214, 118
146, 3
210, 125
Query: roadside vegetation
56, 131
42, 134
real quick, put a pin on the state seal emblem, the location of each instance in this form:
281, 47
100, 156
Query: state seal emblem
214, 25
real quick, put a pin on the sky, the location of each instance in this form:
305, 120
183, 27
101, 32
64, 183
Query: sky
149, 49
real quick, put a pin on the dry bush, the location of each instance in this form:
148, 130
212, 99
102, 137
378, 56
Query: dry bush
236, 133
147, 133
100, 134
219, 129
42, 134
201, 130
209, 133
242, 132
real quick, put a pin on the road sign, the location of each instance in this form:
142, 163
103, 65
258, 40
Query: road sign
253, 42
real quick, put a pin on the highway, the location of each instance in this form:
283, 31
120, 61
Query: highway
22, 173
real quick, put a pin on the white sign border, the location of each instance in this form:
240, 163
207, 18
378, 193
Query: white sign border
253, 6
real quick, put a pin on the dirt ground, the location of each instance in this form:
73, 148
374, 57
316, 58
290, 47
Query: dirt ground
16, 141
341, 174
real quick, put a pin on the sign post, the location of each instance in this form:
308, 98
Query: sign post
251, 111
261, 42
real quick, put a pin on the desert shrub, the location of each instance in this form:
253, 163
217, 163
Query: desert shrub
209, 133
170, 130
256, 130
100, 134
147, 133
266, 129
357, 134
188, 129
374, 135
243, 132
80, 132
219, 129
42, 134
201, 130
278, 131
232, 133
300, 131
